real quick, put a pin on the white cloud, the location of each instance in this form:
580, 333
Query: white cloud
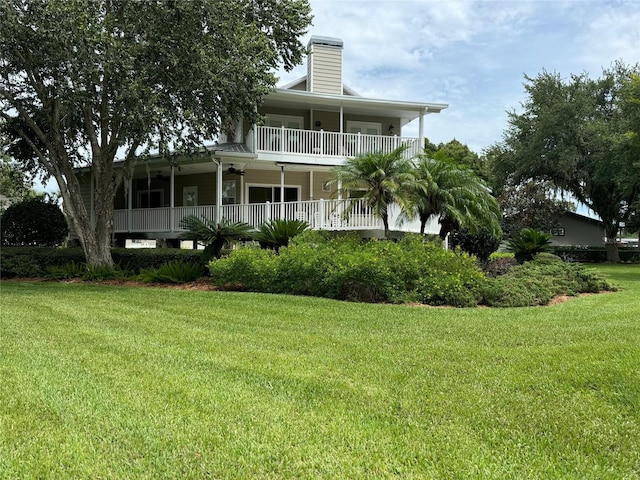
471, 54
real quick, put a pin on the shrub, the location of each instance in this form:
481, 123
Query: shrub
499, 265
34, 261
33, 223
348, 269
176, 271
66, 271
101, 273
138, 259
249, 268
481, 244
528, 242
23, 266
538, 281
595, 254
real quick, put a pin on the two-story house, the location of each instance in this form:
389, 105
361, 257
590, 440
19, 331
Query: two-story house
279, 169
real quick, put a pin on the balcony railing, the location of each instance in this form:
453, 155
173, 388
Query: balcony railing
329, 144
351, 214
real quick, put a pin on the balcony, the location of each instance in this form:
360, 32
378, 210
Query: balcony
351, 214
312, 143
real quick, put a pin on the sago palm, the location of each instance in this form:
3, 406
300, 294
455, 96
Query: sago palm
277, 233
383, 179
528, 242
214, 234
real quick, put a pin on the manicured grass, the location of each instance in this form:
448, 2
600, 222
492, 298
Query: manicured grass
116, 382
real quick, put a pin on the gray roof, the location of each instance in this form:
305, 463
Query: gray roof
330, 41
229, 148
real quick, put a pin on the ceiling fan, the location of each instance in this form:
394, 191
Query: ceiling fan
160, 176
234, 171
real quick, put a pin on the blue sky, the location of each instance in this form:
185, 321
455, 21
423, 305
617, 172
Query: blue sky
471, 54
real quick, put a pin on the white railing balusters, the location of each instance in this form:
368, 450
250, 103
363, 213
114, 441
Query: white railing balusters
348, 214
327, 144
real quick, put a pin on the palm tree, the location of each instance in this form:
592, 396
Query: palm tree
277, 233
455, 194
383, 179
214, 235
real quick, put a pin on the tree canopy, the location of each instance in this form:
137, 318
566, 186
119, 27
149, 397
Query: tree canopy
576, 133
84, 80
14, 184
459, 153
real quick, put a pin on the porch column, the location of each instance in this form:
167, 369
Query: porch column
281, 191
310, 184
421, 132
340, 147
218, 189
172, 199
130, 205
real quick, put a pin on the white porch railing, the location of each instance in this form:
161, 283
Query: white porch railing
351, 214
332, 144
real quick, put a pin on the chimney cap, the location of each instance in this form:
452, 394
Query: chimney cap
327, 41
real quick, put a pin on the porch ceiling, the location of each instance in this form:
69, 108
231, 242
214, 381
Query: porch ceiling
193, 168
406, 111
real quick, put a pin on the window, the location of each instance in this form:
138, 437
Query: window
368, 128
286, 121
271, 193
291, 140
150, 199
368, 142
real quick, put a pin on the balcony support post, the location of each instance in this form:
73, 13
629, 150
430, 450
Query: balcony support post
218, 189
421, 132
172, 199
281, 191
320, 223
130, 205
341, 146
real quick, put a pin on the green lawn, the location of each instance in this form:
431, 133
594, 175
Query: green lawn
116, 382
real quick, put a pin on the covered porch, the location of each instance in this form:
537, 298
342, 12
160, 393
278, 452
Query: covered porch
347, 214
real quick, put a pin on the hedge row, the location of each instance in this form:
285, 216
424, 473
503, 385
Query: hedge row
34, 261
596, 254
348, 269
407, 271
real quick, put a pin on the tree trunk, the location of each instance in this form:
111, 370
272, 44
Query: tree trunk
613, 253
95, 237
611, 243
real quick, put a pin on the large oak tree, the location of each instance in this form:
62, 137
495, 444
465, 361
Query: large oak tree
575, 133
82, 81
